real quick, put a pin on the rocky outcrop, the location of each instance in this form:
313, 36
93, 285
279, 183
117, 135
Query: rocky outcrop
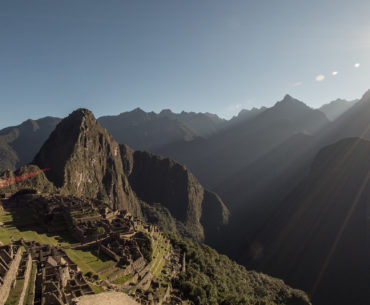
38, 182
85, 161
161, 180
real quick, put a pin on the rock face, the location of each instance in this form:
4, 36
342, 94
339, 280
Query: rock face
85, 161
161, 180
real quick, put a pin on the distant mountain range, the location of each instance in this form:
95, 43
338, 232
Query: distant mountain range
222, 155
335, 109
19, 144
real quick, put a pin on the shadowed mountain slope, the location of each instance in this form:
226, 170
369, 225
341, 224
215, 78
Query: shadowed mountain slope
245, 115
19, 144
318, 238
226, 153
204, 124
256, 190
161, 180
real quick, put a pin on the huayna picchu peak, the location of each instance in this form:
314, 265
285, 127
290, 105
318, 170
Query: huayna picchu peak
85, 160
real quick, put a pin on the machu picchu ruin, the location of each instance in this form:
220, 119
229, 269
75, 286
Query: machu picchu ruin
136, 258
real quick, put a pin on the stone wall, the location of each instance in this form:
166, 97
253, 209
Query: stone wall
27, 275
10, 277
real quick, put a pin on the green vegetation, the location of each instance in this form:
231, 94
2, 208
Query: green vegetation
20, 222
211, 278
145, 244
123, 279
96, 289
159, 215
89, 261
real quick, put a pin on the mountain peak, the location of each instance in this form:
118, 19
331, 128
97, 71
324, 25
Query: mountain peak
85, 161
82, 112
166, 112
288, 99
366, 96
290, 103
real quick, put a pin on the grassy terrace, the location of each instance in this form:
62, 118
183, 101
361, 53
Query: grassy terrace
160, 250
19, 222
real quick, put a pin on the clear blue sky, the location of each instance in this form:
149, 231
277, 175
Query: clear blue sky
201, 55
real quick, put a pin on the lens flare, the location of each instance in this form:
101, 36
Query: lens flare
320, 78
334, 73
357, 65
297, 84
10, 181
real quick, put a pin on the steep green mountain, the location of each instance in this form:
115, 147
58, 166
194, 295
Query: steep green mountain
85, 160
211, 278
335, 109
318, 237
226, 153
19, 144
146, 130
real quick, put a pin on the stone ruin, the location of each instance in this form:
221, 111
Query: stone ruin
125, 252
82, 217
55, 280
10, 258
58, 279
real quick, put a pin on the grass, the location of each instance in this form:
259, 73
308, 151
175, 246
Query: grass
88, 261
123, 279
96, 289
19, 223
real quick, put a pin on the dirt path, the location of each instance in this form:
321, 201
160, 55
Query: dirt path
106, 298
